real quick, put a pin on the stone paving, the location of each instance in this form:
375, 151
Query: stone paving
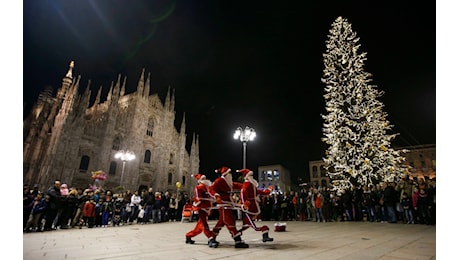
301, 240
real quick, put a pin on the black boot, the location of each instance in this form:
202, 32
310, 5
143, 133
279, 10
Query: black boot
239, 243
213, 243
188, 240
266, 238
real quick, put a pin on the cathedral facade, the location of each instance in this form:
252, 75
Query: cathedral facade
66, 138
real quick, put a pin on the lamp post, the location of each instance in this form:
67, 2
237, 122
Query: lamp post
246, 135
124, 156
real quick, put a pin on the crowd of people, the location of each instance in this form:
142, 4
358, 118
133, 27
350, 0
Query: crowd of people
408, 201
61, 208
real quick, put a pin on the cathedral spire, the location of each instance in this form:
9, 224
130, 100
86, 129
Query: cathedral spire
66, 83
140, 85
84, 102
147, 87
69, 73
116, 90
123, 87
197, 145
109, 95
167, 99
182, 127
173, 103
98, 96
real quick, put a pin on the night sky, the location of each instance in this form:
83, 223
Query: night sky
239, 63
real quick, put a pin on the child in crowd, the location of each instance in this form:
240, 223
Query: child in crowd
98, 220
406, 204
106, 209
140, 216
89, 213
117, 208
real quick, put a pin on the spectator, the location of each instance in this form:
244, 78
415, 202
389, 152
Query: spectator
347, 203
54, 206
318, 207
326, 209
369, 204
89, 213
28, 204
117, 209
165, 206
423, 207
107, 210
381, 215
82, 198
98, 209
69, 207
357, 200
406, 204
172, 208
126, 209
302, 209
414, 205
390, 197
135, 202
39, 207
156, 209
140, 215
148, 205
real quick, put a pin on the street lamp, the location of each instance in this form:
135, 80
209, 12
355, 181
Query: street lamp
124, 156
248, 134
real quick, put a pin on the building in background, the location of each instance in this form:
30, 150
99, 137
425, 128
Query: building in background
422, 161
67, 138
275, 175
318, 174
420, 158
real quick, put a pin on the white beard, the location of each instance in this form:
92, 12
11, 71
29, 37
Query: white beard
228, 179
251, 179
207, 183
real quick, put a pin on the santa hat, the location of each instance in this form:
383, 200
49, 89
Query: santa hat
245, 172
199, 177
223, 170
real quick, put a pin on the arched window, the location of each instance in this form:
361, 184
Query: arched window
183, 180
315, 172
323, 183
147, 156
112, 168
323, 172
84, 163
149, 131
171, 158
170, 178
116, 144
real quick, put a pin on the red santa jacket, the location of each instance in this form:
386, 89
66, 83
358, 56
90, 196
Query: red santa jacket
89, 210
202, 199
249, 195
221, 188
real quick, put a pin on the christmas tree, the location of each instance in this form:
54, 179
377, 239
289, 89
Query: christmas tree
355, 128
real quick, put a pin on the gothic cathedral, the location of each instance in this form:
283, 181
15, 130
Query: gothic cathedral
66, 138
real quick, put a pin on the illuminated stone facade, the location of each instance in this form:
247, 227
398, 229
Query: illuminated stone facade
66, 138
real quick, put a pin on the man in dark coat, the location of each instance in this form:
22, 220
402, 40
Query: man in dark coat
54, 192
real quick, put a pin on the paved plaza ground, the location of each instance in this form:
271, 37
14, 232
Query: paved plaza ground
301, 240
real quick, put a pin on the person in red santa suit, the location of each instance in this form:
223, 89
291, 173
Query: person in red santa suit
249, 196
221, 190
203, 204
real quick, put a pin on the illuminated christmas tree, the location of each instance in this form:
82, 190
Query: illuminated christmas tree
355, 128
